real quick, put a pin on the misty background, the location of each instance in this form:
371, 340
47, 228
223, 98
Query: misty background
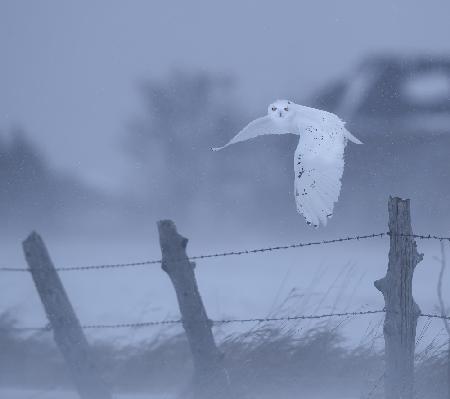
107, 114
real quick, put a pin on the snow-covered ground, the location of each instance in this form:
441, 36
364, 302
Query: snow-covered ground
36, 394
24, 394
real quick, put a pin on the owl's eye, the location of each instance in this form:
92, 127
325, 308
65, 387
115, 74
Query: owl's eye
286, 109
274, 108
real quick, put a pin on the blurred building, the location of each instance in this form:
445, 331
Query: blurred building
400, 108
411, 93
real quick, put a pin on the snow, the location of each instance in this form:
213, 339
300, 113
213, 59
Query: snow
57, 394
30, 394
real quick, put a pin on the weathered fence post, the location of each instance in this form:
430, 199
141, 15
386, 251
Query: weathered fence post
443, 262
67, 330
401, 310
210, 377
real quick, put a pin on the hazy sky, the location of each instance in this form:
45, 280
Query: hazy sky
69, 70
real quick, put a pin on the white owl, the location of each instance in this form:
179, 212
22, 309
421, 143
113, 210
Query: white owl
319, 157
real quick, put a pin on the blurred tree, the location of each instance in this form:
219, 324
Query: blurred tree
184, 116
32, 194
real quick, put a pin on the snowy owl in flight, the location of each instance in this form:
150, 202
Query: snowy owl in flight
319, 157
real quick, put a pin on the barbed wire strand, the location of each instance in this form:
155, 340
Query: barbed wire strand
421, 236
207, 256
214, 322
223, 321
234, 253
14, 269
434, 316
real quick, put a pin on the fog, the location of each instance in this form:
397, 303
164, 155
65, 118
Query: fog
108, 112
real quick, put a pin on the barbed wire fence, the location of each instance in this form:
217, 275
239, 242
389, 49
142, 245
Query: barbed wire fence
225, 254
230, 321
213, 322
202, 323
204, 256
234, 253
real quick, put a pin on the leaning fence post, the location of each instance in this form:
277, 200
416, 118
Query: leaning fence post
210, 377
401, 310
67, 330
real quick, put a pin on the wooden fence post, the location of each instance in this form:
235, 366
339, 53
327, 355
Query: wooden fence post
210, 376
67, 330
401, 310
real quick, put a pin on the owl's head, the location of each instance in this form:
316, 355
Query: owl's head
280, 109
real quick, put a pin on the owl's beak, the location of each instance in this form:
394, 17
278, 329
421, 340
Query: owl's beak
281, 114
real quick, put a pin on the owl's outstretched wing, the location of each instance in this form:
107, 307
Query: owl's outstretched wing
258, 127
318, 165
314, 116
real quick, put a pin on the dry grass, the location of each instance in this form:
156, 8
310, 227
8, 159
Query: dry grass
267, 361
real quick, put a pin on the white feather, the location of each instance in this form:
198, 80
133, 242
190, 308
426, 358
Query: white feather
319, 157
259, 127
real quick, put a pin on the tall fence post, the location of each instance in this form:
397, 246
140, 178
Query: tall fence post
67, 330
401, 310
210, 377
